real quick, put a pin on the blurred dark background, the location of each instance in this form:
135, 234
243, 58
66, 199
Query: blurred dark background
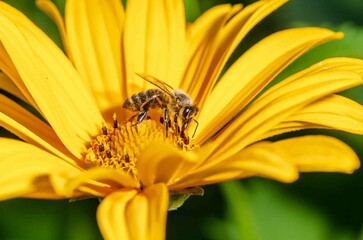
318, 206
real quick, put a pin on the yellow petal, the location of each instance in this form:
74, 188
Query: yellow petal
154, 41
281, 160
224, 43
8, 86
320, 154
54, 84
31, 129
153, 219
284, 127
111, 214
94, 31
200, 36
278, 103
344, 64
163, 163
9, 69
49, 8
261, 159
339, 63
126, 214
98, 182
252, 72
332, 112
27, 170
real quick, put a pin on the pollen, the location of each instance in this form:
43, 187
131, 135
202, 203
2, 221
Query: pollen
118, 146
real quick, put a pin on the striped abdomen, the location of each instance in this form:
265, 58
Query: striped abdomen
156, 97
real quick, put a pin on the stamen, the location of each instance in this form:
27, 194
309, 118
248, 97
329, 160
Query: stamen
115, 122
119, 146
104, 130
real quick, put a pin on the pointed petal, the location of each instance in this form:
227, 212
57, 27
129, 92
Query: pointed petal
281, 160
49, 8
126, 214
345, 112
280, 102
98, 182
26, 169
154, 41
31, 129
261, 159
332, 112
94, 30
320, 154
223, 44
168, 163
54, 84
252, 72
200, 36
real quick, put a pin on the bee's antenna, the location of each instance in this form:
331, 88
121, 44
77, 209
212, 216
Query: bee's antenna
195, 130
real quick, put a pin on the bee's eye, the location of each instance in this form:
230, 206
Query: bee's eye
186, 112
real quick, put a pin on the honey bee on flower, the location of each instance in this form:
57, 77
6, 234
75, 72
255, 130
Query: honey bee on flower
176, 104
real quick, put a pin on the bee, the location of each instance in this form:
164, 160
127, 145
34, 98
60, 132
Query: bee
173, 102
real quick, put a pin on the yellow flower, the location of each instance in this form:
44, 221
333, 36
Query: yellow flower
75, 147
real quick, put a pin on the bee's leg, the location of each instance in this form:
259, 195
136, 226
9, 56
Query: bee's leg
196, 127
177, 129
184, 128
166, 121
144, 109
140, 117
182, 131
184, 136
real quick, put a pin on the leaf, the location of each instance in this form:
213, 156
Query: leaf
192, 10
261, 210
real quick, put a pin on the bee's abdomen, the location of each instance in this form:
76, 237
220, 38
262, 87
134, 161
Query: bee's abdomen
136, 101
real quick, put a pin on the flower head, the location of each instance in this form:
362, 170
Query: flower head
83, 143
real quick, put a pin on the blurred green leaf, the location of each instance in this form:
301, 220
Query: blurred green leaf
45, 219
240, 222
259, 209
192, 10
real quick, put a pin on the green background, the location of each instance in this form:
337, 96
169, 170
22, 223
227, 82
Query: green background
318, 206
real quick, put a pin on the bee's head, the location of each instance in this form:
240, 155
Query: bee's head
187, 113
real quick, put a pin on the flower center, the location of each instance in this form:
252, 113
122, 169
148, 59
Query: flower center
118, 146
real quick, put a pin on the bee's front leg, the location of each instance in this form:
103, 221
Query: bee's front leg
177, 129
140, 117
166, 121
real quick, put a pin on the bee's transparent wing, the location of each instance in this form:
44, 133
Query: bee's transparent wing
158, 83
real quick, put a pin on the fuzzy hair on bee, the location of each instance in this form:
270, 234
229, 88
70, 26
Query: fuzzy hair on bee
174, 103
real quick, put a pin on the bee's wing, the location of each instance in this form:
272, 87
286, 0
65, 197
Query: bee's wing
158, 83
